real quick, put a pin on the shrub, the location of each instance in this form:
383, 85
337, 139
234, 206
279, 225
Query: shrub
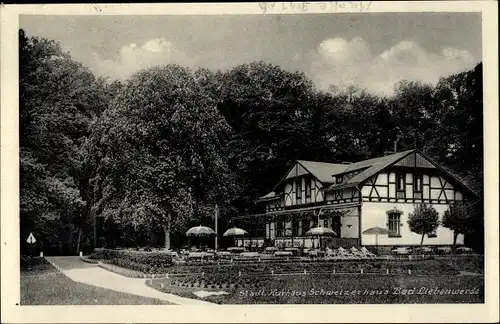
28, 262
135, 260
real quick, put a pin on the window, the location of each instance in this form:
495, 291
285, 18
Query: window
280, 229
393, 224
288, 228
417, 183
295, 228
339, 179
433, 234
308, 188
298, 188
400, 182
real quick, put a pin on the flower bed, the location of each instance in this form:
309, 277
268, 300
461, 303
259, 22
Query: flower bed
345, 266
146, 262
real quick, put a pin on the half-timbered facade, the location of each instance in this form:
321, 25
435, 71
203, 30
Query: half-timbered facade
352, 197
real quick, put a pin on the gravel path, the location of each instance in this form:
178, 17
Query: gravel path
91, 274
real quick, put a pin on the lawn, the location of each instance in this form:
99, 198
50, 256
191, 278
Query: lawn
468, 263
42, 284
334, 289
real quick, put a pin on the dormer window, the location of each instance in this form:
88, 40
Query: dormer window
339, 179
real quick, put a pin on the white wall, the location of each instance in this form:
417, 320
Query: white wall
375, 214
350, 224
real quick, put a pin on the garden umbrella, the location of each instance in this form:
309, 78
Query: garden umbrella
200, 231
235, 231
320, 231
376, 231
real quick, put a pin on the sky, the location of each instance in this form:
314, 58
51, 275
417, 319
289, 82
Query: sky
373, 51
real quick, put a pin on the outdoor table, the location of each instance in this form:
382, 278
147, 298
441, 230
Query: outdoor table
195, 255
283, 253
250, 254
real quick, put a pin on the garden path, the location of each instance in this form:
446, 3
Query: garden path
91, 274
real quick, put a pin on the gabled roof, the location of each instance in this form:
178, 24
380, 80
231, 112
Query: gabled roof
323, 171
360, 171
372, 167
376, 165
320, 170
270, 196
383, 160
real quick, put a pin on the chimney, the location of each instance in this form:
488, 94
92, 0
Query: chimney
398, 137
345, 162
388, 153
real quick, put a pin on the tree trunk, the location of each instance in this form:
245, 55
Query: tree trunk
80, 230
455, 235
422, 240
70, 243
166, 231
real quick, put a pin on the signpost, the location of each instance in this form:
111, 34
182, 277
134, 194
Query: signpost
31, 240
216, 234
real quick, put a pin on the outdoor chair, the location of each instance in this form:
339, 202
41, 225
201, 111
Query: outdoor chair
343, 253
357, 253
330, 252
369, 254
444, 250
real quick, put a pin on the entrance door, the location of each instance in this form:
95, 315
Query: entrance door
336, 225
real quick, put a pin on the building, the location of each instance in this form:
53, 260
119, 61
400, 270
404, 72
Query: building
352, 197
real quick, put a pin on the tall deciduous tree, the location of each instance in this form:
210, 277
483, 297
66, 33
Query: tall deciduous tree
458, 142
269, 110
58, 99
164, 147
424, 220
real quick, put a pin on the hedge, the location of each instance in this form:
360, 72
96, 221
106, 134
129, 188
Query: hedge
147, 262
89, 260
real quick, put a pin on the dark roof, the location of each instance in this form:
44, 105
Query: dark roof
361, 171
372, 167
376, 165
323, 171
385, 160
270, 196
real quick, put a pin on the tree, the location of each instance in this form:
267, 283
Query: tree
459, 219
163, 146
414, 110
268, 109
458, 142
58, 97
424, 220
